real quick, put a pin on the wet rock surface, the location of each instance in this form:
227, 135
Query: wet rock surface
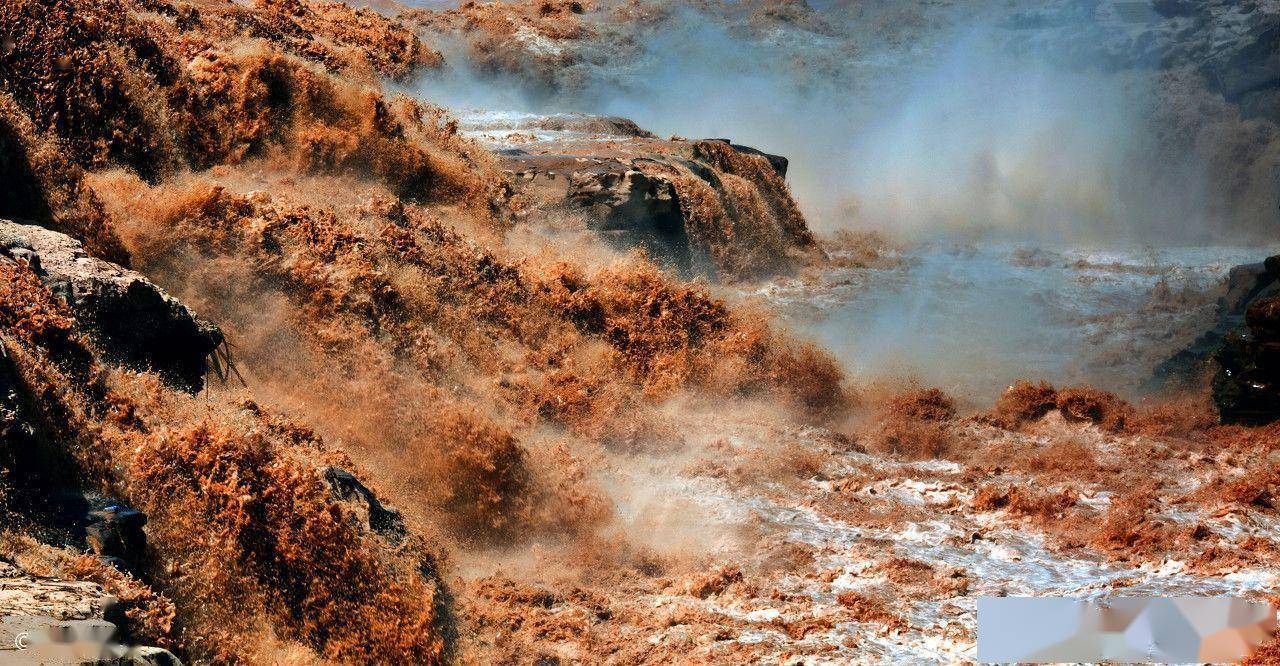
382, 519
1242, 350
37, 609
707, 207
135, 321
24, 594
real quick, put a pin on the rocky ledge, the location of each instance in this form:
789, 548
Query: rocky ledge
707, 207
135, 321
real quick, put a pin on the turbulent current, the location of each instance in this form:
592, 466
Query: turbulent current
994, 511
630, 331
975, 317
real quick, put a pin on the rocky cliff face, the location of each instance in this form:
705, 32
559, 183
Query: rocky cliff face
1232, 45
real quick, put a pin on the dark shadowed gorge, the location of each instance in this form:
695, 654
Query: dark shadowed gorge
369, 332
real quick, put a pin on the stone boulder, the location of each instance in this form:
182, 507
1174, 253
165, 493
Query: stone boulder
383, 520
709, 207
134, 321
1242, 350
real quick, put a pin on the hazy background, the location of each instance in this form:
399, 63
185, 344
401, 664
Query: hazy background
969, 133
939, 122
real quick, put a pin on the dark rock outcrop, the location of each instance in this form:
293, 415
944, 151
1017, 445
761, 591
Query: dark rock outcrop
633, 209
1245, 283
684, 209
707, 207
1247, 384
135, 321
115, 533
1242, 350
382, 519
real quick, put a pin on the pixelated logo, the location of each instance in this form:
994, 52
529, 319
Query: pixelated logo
22, 640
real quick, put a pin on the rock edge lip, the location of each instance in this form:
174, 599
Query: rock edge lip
136, 322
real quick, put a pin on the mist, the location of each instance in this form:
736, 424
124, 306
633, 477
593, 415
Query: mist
965, 138
450, 381
966, 130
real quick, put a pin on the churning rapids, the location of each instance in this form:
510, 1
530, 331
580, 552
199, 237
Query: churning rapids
994, 557
970, 317
631, 331
983, 315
